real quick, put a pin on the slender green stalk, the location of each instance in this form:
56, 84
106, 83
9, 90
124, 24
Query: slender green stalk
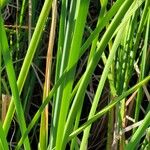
146, 144
73, 57
22, 12
12, 81
101, 15
0, 82
77, 121
3, 141
17, 35
135, 139
108, 107
102, 24
137, 41
56, 105
64, 60
40, 110
100, 86
28, 59
62, 31
143, 67
91, 67
111, 113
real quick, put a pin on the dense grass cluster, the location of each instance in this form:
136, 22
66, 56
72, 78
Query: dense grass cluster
75, 74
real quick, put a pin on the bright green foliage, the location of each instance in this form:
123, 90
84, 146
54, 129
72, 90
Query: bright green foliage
3, 3
108, 55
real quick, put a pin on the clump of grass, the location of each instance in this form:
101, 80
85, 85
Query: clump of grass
118, 40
